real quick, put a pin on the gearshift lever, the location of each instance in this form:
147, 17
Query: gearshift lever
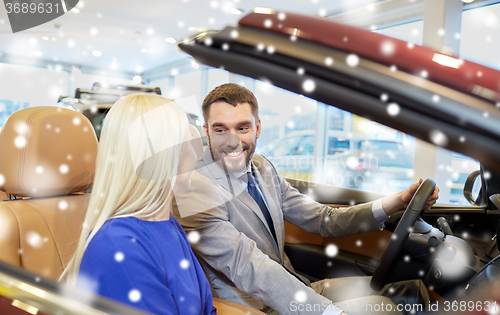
444, 227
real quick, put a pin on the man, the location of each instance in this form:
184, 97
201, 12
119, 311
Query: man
237, 203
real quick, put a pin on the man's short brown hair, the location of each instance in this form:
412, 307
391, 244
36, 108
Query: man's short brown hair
230, 93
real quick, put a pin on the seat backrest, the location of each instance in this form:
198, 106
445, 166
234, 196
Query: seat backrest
4, 196
47, 160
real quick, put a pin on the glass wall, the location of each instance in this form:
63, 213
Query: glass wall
480, 38
478, 31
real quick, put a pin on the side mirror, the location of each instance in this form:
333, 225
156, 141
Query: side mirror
473, 189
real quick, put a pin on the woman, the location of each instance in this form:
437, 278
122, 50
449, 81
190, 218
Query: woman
131, 249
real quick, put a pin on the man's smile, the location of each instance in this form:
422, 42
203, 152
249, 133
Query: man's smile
234, 154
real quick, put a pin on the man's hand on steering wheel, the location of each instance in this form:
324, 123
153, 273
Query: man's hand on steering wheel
400, 200
420, 199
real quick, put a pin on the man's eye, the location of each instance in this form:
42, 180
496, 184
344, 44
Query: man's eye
219, 130
244, 128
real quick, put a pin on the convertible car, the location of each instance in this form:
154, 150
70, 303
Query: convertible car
432, 96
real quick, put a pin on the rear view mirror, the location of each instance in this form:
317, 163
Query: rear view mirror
473, 189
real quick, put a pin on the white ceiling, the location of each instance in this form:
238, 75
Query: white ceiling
131, 34
120, 29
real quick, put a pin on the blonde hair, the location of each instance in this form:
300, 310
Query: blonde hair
136, 127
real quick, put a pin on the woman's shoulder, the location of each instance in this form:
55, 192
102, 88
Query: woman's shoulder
117, 231
127, 226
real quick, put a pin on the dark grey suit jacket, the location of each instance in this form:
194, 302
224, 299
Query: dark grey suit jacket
236, 248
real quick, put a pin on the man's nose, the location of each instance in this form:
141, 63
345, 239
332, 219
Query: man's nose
232, 140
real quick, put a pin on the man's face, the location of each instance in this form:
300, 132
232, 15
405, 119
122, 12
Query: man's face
232, 132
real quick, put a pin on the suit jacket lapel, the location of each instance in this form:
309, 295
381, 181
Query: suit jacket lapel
267, 189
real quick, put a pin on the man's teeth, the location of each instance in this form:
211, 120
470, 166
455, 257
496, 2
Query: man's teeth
233, 154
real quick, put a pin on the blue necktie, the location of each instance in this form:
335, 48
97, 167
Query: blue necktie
254, 192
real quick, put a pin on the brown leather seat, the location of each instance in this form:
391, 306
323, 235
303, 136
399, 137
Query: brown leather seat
4, 196
47, 158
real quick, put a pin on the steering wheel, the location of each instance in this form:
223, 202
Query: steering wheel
400, 235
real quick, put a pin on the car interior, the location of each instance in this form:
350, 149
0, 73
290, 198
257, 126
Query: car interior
452, 248
451, 244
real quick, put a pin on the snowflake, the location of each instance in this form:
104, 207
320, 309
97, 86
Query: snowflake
184, 264
300, 71
193, 237
359, 243
39, 169
352, 60
331, 250
438, 137
384, 97
63, 169
62, 205
309, 85
20, 142
119, 256
387, 48
393, 109
328, 61
268, 23
435, 98
134, 295
300, 296
234, 34
34, 239
174, 72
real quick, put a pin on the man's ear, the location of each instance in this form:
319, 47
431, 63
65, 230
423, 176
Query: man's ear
258, 128
205, 132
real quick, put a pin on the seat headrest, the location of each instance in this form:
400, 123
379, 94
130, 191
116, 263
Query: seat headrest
47, 151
